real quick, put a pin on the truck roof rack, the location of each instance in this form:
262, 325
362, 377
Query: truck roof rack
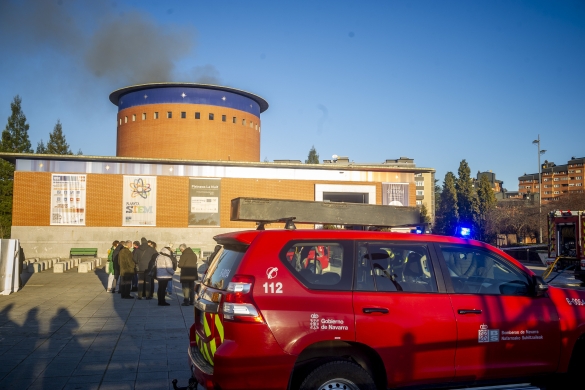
265, 211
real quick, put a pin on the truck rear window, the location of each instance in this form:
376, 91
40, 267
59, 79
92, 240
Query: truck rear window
224, 267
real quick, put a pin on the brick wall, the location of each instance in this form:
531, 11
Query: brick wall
188, 138
104, 198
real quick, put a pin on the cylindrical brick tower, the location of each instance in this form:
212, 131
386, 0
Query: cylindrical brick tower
188, 121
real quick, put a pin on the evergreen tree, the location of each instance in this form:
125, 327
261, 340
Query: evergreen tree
14, 140
15, 135
486, 202
79, 152
41, 148
447, 216
466, 197
313, 157
424, 215
437, 196
57, 143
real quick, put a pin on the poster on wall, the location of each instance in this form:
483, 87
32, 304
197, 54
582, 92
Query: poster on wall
204, 202
68, 199
395, 194
139, 201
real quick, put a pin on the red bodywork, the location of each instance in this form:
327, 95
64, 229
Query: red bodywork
424, 339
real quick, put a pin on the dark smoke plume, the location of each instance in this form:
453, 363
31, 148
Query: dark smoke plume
124, 49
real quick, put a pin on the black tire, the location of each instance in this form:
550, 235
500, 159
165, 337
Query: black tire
338, 374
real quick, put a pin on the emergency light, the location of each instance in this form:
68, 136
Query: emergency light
464, 231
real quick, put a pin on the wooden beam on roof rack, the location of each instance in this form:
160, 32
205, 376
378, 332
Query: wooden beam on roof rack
330, 213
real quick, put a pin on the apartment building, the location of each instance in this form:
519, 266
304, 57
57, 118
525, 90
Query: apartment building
557, 180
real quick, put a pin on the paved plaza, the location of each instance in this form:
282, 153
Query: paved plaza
64, 331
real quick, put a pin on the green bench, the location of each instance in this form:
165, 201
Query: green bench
83, 252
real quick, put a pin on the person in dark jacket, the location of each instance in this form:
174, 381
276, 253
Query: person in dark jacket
127, 269
142, 255
116, 262
152, 244
188, 265
135, 255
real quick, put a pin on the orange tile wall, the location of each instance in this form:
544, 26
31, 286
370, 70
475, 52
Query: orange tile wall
188, 138
104, 198
31, 202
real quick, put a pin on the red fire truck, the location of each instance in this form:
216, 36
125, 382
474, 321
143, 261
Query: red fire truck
566, 240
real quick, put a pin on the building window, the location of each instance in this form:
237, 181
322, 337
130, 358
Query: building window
544, 179
120, 121
579, 177
556, 192
155, 115
197, 115
223, 118
183, 115
579, 184
578, 171
234, 119
556, 185
419, 183
125, 119
133, 117
144, 116
256, 126
210, 116
556, 179
419, 202
169, 114
243, 122
420, 192
251, 125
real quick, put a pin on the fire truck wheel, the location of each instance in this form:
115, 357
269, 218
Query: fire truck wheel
338, 375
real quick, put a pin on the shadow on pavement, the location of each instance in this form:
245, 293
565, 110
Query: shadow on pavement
64, 331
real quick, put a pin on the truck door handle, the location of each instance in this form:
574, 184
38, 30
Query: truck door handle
469, 311
370, 310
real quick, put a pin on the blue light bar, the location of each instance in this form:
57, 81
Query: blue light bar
465, 231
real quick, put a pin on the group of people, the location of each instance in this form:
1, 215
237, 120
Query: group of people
135, 266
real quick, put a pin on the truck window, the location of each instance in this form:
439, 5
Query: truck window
392, 267
477, 271
223, 267
320, 265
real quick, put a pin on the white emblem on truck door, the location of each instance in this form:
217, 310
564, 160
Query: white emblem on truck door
272, 272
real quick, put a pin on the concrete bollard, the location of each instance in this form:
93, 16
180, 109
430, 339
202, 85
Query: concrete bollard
34, 267
59, 268
84, 268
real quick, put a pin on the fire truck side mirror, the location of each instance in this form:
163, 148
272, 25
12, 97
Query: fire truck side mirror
540, 286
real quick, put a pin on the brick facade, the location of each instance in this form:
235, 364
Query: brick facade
32, 200
188, 138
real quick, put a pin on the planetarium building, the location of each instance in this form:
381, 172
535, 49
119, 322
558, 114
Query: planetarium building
195, 121
184, 151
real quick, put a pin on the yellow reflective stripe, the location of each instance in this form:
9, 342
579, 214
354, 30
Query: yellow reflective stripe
213, 347
219, 327
206, 326
209, 355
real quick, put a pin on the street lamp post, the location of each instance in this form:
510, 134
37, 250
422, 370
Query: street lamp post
537, 143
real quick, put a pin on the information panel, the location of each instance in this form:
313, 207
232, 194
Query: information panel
68, 199
204, 202
139, 201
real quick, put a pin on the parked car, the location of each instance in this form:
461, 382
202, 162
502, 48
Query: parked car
392, 310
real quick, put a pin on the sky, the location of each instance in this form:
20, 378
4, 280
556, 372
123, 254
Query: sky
436, 81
